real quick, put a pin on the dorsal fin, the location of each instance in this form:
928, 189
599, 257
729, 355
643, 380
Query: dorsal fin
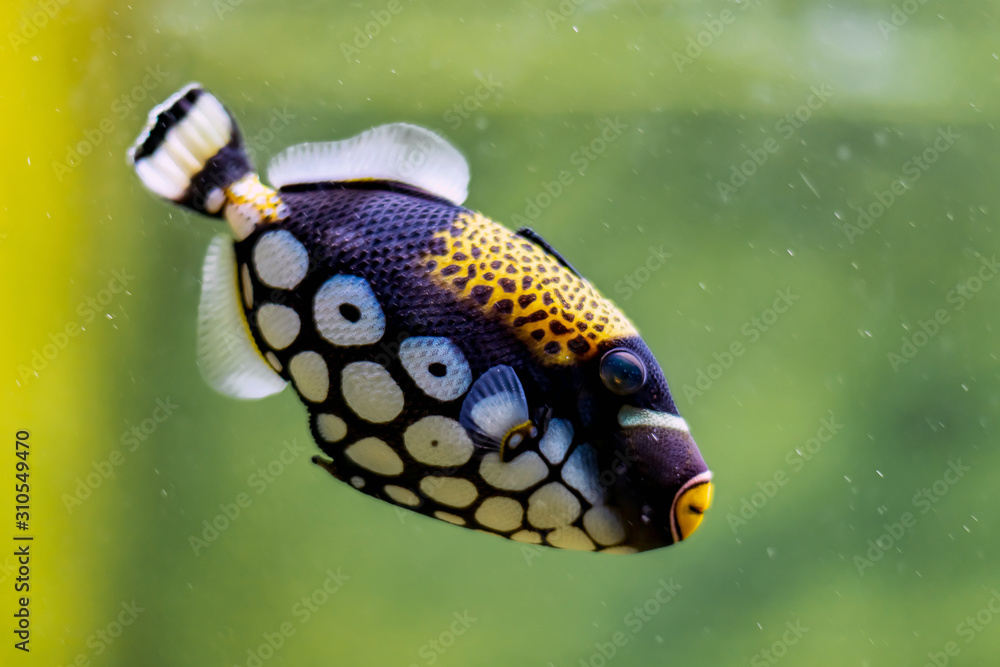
396, 152
533, 236
227, 356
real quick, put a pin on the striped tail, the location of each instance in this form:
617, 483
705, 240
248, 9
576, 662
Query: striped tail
191, 151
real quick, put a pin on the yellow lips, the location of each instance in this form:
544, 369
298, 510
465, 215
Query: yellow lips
690, 507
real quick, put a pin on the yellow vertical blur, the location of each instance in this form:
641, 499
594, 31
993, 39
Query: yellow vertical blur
50, 384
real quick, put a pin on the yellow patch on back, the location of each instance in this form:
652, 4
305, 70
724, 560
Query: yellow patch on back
249, 190
248, 203
557, 314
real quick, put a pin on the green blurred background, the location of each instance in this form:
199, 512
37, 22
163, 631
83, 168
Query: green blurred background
843, 546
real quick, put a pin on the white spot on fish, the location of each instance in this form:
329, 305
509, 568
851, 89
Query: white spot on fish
347, 312
527, 536
438, 441
556, 440
552, 506
500, 513
570, 537
331, 427
580, 472
311, 377
280, 260
247, 286
452, 491
604, 525
279, 325
402, 496
376, 456
450, 518
436, 365
371, 392
524, 471
273, 360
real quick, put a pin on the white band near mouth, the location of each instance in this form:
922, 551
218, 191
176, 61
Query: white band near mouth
630, 417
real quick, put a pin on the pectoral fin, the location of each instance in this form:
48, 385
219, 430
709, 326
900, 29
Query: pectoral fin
227, 355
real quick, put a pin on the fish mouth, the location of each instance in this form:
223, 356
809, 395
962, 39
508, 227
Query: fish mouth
690, 504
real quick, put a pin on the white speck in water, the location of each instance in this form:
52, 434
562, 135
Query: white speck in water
772, 553
809, 185
879, 473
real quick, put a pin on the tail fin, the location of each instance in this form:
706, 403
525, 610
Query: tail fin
191, 151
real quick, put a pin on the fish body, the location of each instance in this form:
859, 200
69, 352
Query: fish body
449, 365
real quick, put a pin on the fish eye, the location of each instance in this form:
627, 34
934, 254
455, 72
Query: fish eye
622, 372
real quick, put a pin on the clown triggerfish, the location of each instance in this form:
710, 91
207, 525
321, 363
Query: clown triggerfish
449, 365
